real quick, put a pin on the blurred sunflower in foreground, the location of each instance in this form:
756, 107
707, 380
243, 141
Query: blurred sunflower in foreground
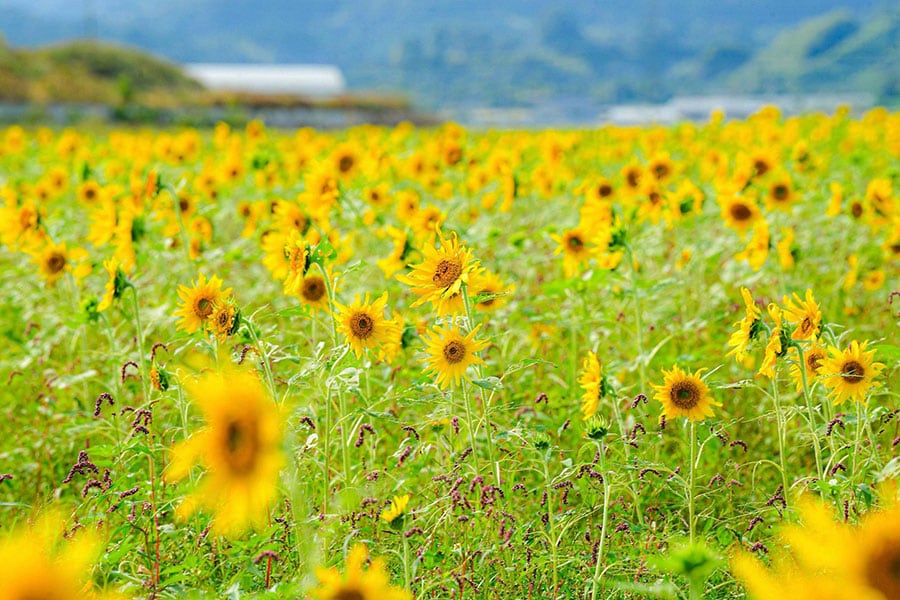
358, 584
240, 447
38, 562
829, 560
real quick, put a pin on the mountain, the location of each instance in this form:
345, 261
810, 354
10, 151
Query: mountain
504, 52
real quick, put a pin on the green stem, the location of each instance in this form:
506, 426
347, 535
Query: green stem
140, 335
690, 490
810, 413
470, 422
779, 418
639, 320
598, 572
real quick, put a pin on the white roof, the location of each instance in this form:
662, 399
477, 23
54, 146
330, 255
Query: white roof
308, 80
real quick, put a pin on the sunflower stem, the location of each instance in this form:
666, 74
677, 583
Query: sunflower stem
810, 412
779, 419
690, 490
140, 336
598, 572
470, 422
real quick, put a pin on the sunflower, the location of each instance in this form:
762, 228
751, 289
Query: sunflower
396, 509
739, 212
786, 249
450, 353
594, 383
489, 290
781, 194
775, 348
805, 314
850, 373
199, 302
224, 320
812, 363
297, 256
314, 290
358, 584
573, 245
88, 192
36, 562
363, 323
756, 251
441, 274
684, 395
115, 284
747, 328
240, 447
875, 562
55, 260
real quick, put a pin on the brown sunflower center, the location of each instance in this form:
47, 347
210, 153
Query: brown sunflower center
806, 326
223, 320
633, 178
685, 394
780, 192
604, 190
362, 325
575, 243
446, 273
883, 569
348, 594
853, 372
90, 193
814, 361
761, 167
56, 262
740, 212
345, 163
313, 289
204, 307
660, 170
454, 352
184, 204
856, 209
241, 445
488, 301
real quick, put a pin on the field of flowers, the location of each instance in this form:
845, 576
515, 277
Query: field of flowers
382, 363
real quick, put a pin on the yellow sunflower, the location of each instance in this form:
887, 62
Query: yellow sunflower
805, 314
224, 320
396, 509
297, 257
450, 353
36, 562
313, 290
493, 292
775, 346
199, 302
115, 284
747, 328
363, 323
850, 373
594, 384
739, 212
440, 276
240, 448
874, 563
573, 245
684, 395
812, 363
357, 584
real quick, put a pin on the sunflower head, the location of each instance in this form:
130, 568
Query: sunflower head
364, 325
850, 373
450, 353
684, 395
358, 583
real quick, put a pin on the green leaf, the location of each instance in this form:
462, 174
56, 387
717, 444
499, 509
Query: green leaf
489, 383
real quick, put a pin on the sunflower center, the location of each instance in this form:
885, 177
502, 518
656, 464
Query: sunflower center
576, 243
223, 320
856, 209
685, 395
90, 193
740, 211
241, 445
813, 361
633, 178
345, 163
454, 352
660, 170
56, 262
204, 307
780, 192
184, 204
806, 326
348, 594
853, 372
761, 167
361, 325
313, 289
605, 190
883, 570
446, 273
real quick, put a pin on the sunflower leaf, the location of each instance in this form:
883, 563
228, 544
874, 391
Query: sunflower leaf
489, 383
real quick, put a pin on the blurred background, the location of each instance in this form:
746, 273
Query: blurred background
503, 62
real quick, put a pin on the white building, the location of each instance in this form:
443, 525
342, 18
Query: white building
297, 79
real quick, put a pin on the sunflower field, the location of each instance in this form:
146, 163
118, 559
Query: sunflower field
394, 363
